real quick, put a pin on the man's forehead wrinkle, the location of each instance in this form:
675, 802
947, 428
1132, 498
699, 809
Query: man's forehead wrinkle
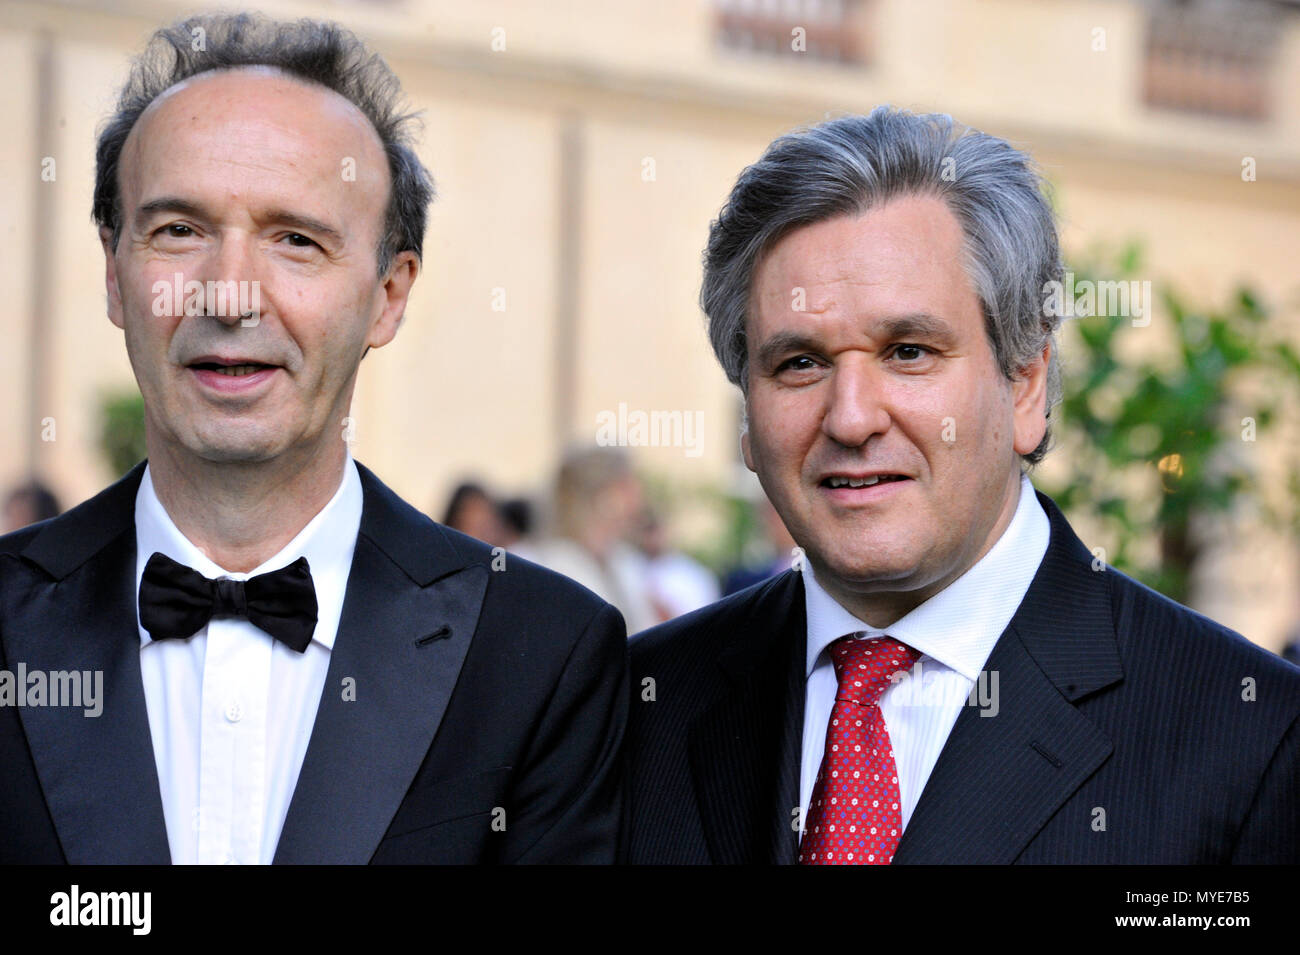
252, 179
268, 136
330, 105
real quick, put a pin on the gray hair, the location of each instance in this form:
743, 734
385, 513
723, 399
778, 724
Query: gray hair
313, 51
849, 164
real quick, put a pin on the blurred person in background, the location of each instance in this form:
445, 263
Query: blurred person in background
517, 513
781, 551
677, 582
27, 504
596, 504
473, 511
1290, 651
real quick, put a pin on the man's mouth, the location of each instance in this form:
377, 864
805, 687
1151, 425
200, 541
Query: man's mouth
846, 481
234, 371
232, 374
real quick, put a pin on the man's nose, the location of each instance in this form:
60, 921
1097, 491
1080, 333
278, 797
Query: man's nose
229, 279
856, 408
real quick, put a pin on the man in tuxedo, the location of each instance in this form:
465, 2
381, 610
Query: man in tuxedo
948, 675
297, 666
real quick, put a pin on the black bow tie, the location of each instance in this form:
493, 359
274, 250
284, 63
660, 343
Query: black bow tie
177, 601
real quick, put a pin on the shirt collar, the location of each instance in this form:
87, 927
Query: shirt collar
327, 541
959, 625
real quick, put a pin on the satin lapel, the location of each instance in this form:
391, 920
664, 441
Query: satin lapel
1001, 777
744, 748
69, 605
410, 611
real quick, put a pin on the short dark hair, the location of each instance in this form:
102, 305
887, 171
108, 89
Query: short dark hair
460, 497
38, 498
314, 51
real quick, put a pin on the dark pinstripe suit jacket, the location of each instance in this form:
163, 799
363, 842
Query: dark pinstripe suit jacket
1129, 730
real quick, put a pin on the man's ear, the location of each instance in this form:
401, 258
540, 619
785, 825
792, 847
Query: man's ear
746, 452
395, 291
1029, 393
110, 278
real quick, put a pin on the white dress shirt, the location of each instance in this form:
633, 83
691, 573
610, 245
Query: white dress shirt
230, 708
954, 630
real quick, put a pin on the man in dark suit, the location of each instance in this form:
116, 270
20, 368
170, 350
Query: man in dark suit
288, 662
949, 674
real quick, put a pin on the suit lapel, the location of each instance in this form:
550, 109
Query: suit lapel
1000, 778
410, 611
69, 605
744, 748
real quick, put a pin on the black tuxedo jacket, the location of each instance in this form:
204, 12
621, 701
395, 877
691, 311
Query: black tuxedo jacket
1130, 730
476, 690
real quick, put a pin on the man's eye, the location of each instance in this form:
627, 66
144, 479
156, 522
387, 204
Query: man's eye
799, 363
299, 241
176, 230
910, 352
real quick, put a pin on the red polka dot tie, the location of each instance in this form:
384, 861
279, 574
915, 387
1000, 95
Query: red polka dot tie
854, 816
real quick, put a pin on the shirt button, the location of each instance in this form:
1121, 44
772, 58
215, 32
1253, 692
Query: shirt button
234, 712
230, 860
